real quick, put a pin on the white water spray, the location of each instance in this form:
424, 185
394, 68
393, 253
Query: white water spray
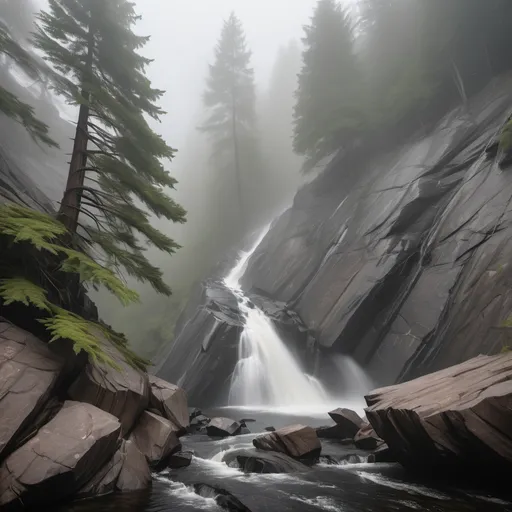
266, 373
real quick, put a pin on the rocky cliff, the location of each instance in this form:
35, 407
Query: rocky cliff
400, 260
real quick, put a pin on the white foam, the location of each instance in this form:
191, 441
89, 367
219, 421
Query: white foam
320, 502
187, 494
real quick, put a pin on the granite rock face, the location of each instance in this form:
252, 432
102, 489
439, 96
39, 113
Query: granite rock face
297, 441
29, 372
457, 419
123, 393
170, 401
156, 438
63, 456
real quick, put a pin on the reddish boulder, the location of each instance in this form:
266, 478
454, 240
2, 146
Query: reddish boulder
297, 441
63, 456
29, 372
455, 419
348, 421
170, 401
156, 438
123, 392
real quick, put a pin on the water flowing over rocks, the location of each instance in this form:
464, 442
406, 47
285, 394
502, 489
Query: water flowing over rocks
223, 498
456, 420
63, 456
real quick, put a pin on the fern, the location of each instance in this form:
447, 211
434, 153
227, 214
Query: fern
67, 325
26, 225
19, 289
91, 272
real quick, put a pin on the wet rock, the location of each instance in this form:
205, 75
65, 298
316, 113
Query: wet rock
127, 471
29, 372
349, 421
297, 441
270, 429
63, 456
156, 437
199, 420
258, 461
453, 420
367, 439
223, 427
194, 412
170, 400
123, 393
382, 454
180, 460
223, 498
334, 432
135, 474
245, 420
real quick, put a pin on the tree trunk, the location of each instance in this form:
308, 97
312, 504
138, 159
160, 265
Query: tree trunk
71, 201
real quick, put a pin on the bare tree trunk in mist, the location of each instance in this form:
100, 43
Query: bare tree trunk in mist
236, 153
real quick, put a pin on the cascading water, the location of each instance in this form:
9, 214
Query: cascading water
266, 372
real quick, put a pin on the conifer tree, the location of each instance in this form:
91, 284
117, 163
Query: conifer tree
115, 164
328, 112
230, 99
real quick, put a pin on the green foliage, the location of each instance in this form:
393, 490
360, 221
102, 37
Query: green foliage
92, 47
328, 112
19, 289
10, 104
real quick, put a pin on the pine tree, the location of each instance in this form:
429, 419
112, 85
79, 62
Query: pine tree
10, 104
116, 177
230, 99
328, 112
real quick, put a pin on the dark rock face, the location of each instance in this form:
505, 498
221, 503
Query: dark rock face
170, 400
402, 261
297, 441
454, 420
223, 427
367, 439
28, 374
334, 432
180, 460
126, 471
223, 498
348, 421
124, 393
63, 456
156, 438
258, 461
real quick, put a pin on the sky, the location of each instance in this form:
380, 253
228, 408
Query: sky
183, 37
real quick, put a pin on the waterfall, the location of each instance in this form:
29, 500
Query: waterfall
355, 383
266, 373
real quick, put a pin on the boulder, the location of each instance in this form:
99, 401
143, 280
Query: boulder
63, 456
126, 471
193, 412
170, 400
297, 441
180, 460
270, 429
258, 461
336, 432
382, 454
29, 372
454, 420
367, 439
347, 420
123, 392
156, 437
199, 420
223, 498
223, 427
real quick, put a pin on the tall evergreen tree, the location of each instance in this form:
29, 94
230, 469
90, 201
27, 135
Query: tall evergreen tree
116, 158
328, 113
230, 100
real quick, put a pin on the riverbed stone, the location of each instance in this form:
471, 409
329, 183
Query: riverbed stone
223, 427
122, 391
180, 460
223, 498
367, 439
260, 461
347, 420
156, 437
63, 456
457, 419
297, 441
29, 371
170, 400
